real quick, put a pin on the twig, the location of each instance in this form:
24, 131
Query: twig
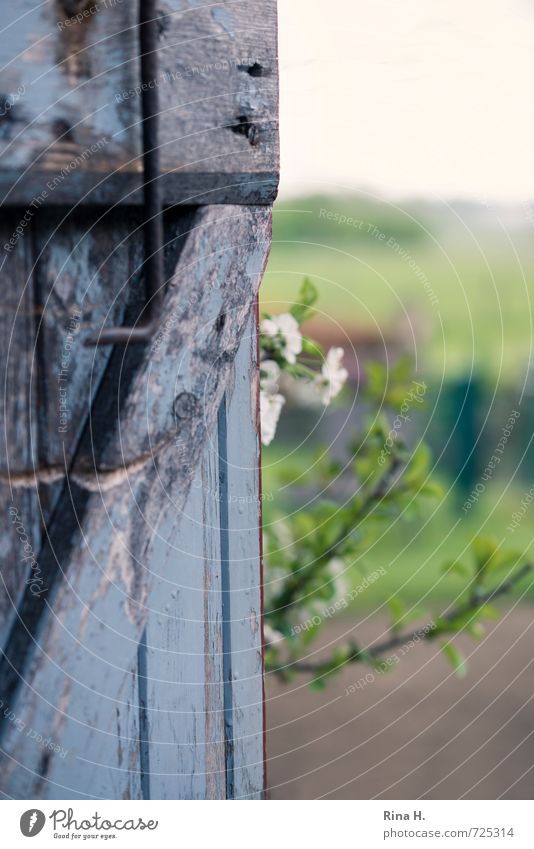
291, 591
427, 632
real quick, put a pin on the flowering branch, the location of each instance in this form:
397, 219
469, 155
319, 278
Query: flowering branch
446, 623
308, 551
284, 349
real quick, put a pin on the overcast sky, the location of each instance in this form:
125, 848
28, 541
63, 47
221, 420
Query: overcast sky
415, 97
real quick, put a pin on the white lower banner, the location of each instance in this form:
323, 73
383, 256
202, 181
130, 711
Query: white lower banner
363, 824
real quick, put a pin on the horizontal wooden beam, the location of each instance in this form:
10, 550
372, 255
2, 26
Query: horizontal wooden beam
89, 188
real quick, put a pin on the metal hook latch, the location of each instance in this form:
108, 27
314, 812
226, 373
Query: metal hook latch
153, 220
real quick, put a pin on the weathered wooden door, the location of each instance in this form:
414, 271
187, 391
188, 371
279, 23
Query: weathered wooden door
130, 600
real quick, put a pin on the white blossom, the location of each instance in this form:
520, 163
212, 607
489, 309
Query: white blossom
284, 329
270, 409
268, 327
282, 532
270, 376
301, 391
333, 376
337, 568
271, 636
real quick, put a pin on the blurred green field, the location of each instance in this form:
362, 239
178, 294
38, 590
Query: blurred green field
459, 292
458, 298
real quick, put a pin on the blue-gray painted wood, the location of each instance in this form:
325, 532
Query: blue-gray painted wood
120, 503
136, 671
65, 273
184, 651
201, 657
70, 104
241, 496
21, 535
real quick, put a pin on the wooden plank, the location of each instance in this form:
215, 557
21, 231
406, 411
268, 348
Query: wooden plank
85, 264
20, 539
240, 498
70, 103
185, 699
71, 270
204, 655
74, 650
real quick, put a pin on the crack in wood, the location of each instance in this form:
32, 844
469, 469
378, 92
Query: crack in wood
96, 479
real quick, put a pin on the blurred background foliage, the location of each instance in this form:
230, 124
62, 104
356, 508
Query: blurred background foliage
450, 287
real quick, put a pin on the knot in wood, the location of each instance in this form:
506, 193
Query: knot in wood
185, 405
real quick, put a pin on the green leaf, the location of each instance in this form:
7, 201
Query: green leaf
418, 466
488, 611
298, 370
431, 490
311, 346
403, 369
455, 658
398, 611
377, 378
505, 559
476, 630
455, 567
307, 296
484, 548
364, 466
318, 684
461, 622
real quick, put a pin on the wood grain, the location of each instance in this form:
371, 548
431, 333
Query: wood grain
135, 671
70, 88
203, 665
184, 669
125, 492
21, 537
240, 458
